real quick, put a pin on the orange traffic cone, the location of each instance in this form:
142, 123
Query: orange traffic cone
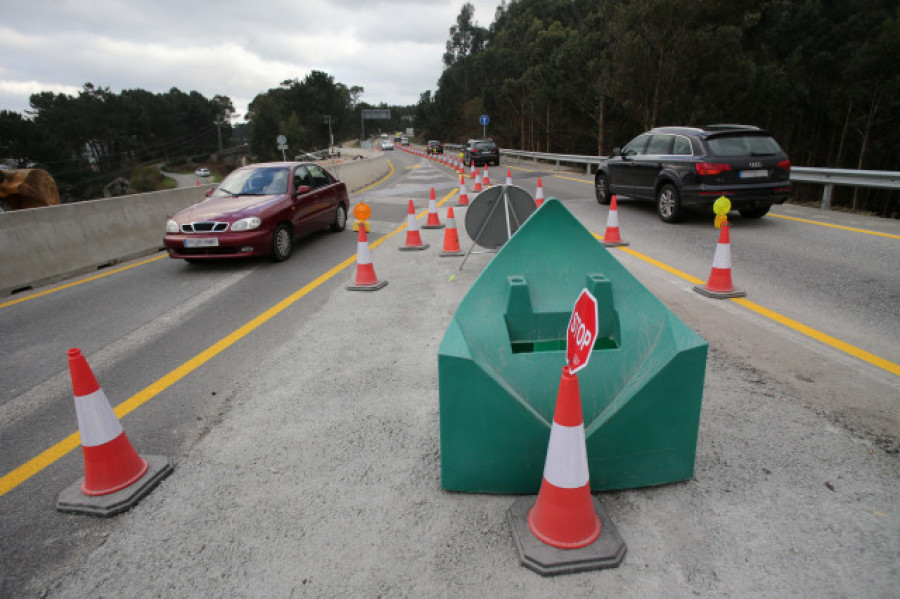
463, 196
451, 237
197, 183
478, 188
560, 531
611, 237
719, 285
115, 476
433, 221
539, 195
508, 177
366, 279
487, 177
472, 170
564, 515
413, 238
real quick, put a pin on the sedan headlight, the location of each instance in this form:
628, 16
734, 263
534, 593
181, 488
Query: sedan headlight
172, 226
246, 224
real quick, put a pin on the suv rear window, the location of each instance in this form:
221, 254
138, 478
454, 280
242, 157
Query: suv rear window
484, 145
742, 145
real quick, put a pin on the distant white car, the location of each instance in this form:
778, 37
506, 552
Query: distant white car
202, 172
387, 145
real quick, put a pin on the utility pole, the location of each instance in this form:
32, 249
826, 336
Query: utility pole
219, 123
330, 134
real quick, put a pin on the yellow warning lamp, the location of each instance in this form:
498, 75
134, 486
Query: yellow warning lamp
721, 207
362, 212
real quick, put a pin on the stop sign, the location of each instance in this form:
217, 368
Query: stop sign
582, 331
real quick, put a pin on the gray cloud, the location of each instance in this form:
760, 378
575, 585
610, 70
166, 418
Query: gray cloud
392, 48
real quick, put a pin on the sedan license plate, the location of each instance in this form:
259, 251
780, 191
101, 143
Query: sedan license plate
751, 174
203, 242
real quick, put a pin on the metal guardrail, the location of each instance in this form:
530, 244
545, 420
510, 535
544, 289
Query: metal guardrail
829, 177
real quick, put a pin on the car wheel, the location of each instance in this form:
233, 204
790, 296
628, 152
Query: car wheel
340, 219
282, 243
756, 212
668, 204
601, 189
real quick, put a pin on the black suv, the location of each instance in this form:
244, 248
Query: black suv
679, 167
481, 152
434, 147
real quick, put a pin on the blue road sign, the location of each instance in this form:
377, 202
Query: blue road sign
484, 120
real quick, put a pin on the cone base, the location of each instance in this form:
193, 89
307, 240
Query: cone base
608, 551
73, 500
461, 204
457, 253
441, 226
613, 244
373, 287
719, 294
410, 248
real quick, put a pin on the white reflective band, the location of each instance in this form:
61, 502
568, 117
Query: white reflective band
613, 220
97, 422
411, 223
432, 205
722, 259
363, 255
566, 466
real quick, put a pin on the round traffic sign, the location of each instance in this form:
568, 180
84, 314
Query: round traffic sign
281, 139
484, 120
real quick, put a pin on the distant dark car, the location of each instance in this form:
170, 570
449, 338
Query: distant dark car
680, 167
434, 147
480, 152
259, 210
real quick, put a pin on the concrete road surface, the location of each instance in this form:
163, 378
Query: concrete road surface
323, 477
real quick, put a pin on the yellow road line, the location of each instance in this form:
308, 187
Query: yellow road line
380, 181
60, 449
105, 273
821, 224
822, 337
779, 318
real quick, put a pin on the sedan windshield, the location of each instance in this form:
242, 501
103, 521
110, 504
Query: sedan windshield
255, 182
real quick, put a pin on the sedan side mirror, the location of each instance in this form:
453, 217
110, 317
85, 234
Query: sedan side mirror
302, 190
209, 192
617, 151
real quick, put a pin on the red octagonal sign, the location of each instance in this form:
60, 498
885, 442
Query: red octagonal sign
582, 331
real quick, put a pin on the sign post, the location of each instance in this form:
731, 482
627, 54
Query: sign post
582, 332
484, 120
282, 145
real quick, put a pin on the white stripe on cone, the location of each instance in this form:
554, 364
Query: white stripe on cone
722, 257
566, 466
97, 422
363, 253
613, 220
411, 223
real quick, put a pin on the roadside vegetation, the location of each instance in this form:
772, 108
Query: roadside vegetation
581, 77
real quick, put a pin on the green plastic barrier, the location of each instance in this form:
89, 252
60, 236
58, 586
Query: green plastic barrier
500, 361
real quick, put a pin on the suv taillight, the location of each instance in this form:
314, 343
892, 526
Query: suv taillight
712, 168
784, 165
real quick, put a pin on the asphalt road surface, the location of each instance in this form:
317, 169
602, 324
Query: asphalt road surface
302, 418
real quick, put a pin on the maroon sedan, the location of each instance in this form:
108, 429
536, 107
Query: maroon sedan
259, 210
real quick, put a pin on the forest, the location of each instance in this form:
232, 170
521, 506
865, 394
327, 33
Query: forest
582, 76
563, 76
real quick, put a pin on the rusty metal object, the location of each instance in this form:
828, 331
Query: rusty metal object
27, 188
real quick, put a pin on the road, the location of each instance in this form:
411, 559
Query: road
296, 410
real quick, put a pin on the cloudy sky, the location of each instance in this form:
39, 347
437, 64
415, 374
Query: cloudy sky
392, 48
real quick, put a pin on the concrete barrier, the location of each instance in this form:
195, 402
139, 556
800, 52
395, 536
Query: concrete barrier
43, 245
